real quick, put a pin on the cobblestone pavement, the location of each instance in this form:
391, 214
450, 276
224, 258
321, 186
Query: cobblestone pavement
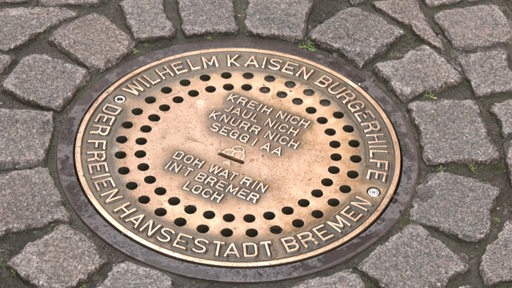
445, 62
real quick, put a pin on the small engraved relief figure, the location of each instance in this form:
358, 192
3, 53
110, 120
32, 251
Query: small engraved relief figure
237, 154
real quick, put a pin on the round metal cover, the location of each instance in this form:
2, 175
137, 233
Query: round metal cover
237, 157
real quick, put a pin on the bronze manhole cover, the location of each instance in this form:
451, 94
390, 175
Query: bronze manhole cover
237, 158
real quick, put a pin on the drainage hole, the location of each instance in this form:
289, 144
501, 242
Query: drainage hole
345, 189
327, 182
287, 210
334, 170
163, 108
297, 101
264, 90
228, 87
127, 125
338, 114
150, 100
177, 99
325, 102
355, 158
229, 217
143, 167
246, 87
209, 89
154, 117
353, 143
248, 75
131, 185
141, 141
202, 229
160, 191
145, 129
336, 157
352, 174
309, 92
225, 75
249, 218
190, 209
330, 132
209, 214
150, 179
335, 144
251, 232
282, 94
140, 154
226, 232
269, 215
276, 230
205, 77
303, 203
123, 170
121, 139
297, 223
321, 120
174, 201
348, 128
160, 212
137, 111
180, 222
333, 202
270, 78
289, 84
311, 110
166, 90
144, 199
185, 82
317, 214
195, 93
120, 155
317, 193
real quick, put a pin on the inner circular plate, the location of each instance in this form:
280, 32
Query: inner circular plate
237, 157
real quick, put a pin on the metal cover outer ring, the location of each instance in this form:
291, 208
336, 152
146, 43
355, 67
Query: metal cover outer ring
95, 221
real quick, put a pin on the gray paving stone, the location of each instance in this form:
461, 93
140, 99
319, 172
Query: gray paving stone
409, 13
129, 275
29, 200
59, 79
356, 2
345, 279
205, 17
415, 74
503, 111
13, 1
435, 3
455, 205
357, 34
285, 19
22, 24
62, 258
488, 72
147, 19
496, 265
452, 131
412, 258
508, 149
476, 26
94, 41
68, 2
24, 137
5, 60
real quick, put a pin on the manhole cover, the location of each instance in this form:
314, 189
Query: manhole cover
237, 158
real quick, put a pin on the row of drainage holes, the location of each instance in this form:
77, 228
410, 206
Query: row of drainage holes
353, 158
351, 143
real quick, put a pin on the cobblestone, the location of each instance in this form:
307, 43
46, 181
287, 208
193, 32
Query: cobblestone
94, 41
131, 275
488, 72
29, 200
25, 138
413, 74
68, 2
284, 19
452, 131
435, 3
357, 34
13, 1
37, 71
345, 279
412, 258
503, 111
61, 259
22, 24
470, 219
508, 150
496, 265
147, 19
205, 17
5, 60
409, 13
473, 27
